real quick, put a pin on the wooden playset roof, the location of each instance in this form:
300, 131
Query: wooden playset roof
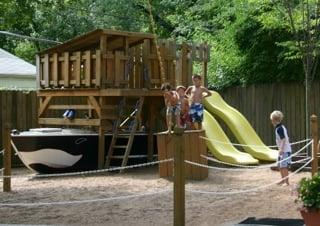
92, 40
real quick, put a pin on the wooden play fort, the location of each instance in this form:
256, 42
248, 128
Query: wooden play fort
112, 80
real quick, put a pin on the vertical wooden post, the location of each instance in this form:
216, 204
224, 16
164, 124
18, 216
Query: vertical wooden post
184, 64
101, 150
103, 62
179, 179
152, 119
7, 159
314, 132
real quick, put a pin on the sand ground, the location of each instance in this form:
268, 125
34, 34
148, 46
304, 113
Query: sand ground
156, 209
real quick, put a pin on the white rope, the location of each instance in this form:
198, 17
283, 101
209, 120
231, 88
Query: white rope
28, 37
252, 189
250, 145
88, 172
2, 152
258, 167
85, 201
232, 169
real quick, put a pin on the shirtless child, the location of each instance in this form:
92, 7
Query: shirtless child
183, 101
195, 95
171, 99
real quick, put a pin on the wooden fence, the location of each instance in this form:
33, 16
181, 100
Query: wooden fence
254, 102
20, 109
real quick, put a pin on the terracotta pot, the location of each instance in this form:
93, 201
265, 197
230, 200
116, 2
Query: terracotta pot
311, 218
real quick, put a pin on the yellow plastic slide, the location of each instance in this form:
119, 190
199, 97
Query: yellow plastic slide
223, 151
240, 127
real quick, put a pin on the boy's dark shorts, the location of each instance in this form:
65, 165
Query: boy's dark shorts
196, 112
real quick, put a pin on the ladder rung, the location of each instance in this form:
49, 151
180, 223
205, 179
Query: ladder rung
120, 146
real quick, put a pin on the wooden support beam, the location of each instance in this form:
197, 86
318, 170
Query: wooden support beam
74, 122
179, 179
46, 70
39, 71
103, 62
87, 72
66, 70
55, 70
98, 68
95, 105
99, 92
146, 69
184, 64
77, 69
314, 133
152, 119
69, 106
7, 158
101, 150
44, 105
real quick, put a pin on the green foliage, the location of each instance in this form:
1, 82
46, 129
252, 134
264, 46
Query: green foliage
26, 50
309, 192
251, 40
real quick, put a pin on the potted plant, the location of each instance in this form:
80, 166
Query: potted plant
309, 197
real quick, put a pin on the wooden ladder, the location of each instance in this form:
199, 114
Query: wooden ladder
135, 115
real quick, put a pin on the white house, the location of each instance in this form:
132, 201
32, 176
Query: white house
16, 73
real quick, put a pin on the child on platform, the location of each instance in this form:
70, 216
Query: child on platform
282, 140
195, 95
184, 105
171, 99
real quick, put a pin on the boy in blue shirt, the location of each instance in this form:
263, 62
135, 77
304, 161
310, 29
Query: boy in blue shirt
282, 140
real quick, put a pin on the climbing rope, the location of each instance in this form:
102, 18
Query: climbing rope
153, 28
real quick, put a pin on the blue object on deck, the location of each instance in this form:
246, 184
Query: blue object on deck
69, 114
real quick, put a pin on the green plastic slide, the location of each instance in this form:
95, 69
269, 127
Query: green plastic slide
239, 126
223, 150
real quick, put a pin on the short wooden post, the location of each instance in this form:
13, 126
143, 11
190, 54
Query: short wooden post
179, 179
101, 147
314, 132
7, 159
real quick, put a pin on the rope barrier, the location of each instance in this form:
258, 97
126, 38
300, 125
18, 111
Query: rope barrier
229, 169
89, 172
251, 145
258, 167
252, 189
85, 201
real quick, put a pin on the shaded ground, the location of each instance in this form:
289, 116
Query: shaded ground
201, 209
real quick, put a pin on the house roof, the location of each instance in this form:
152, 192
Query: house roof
92, 40
11, 65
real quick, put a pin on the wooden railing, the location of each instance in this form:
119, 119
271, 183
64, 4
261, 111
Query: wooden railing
137, 68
